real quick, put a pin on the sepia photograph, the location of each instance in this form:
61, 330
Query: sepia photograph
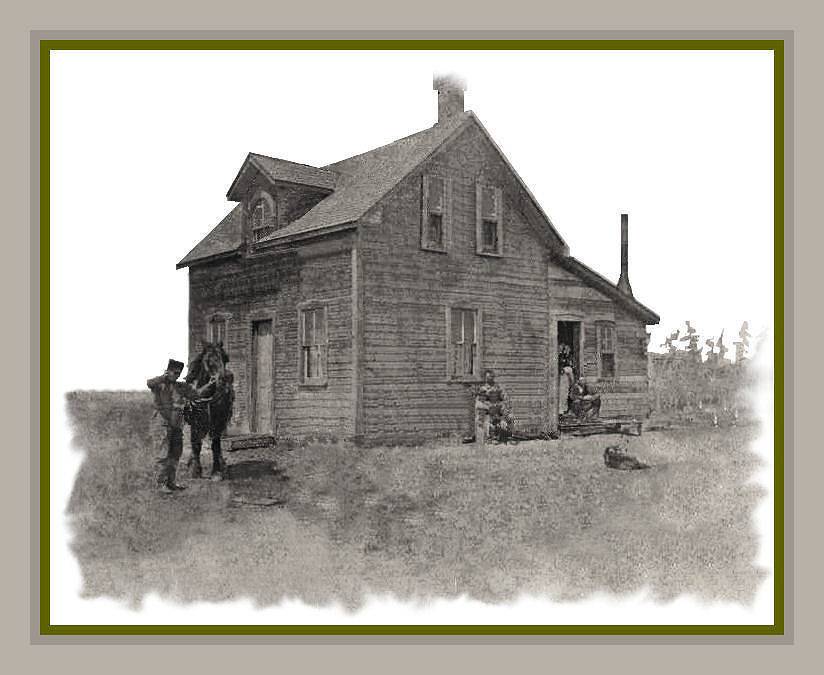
412, 337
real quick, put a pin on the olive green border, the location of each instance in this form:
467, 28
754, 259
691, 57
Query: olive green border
775, 45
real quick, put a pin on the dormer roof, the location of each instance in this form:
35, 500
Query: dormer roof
279, 171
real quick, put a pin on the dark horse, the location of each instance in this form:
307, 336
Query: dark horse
210, 414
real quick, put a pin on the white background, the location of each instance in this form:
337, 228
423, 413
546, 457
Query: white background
144, 146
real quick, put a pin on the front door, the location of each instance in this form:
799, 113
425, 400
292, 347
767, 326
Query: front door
262, 381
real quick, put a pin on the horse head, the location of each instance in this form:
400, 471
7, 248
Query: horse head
210, 364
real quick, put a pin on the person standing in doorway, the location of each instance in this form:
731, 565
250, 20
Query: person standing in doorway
566, 378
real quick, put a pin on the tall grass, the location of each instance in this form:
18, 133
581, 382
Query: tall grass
492, 521
115, 504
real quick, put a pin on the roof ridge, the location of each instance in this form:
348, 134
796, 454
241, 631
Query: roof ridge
280, 159
461, 116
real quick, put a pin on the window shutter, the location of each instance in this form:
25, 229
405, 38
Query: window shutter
479, 241
321, 325
324, 350
499, 212
447, 212
479, 359
449, 347
424, 209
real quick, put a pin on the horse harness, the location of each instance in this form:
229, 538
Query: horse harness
222, 389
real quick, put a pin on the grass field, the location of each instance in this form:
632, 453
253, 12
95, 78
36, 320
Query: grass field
329, 522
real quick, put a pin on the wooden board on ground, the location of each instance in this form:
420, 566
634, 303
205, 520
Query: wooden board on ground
604, 425
239, 500
250, 441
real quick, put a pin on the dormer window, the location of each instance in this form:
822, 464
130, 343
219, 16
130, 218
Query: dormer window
489, 221
263, 219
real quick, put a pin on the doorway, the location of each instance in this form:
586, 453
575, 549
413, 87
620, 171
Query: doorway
262, 380
569, 354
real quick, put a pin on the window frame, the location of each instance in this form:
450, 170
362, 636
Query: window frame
313, 306
217, 318
603, 328
476, 375
444, 211
264, 200
480, 219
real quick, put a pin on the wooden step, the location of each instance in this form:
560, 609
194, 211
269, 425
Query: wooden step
249, 441
600, 426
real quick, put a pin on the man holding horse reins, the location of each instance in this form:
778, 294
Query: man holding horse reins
170, 398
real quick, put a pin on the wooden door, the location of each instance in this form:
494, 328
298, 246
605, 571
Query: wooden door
262, 380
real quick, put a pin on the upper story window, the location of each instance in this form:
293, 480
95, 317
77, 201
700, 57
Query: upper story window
606, 349
435, 223
263, 218
489, 221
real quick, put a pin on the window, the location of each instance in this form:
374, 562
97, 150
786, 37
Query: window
489, 221
263, 219
606, 349
217, 328
313, 344
435, 221
463, 343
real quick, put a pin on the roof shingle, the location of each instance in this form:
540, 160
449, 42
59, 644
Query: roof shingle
226, 237
292, 172
364, 179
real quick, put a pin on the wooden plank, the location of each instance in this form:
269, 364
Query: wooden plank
251, 441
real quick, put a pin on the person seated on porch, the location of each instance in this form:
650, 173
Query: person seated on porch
584, 400
492, 400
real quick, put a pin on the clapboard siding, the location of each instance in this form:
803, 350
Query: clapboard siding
387, 303
272, 287
406, 393
628, 392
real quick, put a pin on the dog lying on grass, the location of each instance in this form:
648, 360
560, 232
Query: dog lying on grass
616, 457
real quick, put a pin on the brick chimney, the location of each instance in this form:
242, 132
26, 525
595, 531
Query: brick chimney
450, 90
623, 281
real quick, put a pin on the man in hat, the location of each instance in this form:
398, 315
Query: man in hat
493, 400
170, 397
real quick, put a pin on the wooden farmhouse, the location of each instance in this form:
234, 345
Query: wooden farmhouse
363, 300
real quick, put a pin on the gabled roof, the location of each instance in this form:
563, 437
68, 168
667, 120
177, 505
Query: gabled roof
225, 238
360, 182
596, 281
365, 179
283, 171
